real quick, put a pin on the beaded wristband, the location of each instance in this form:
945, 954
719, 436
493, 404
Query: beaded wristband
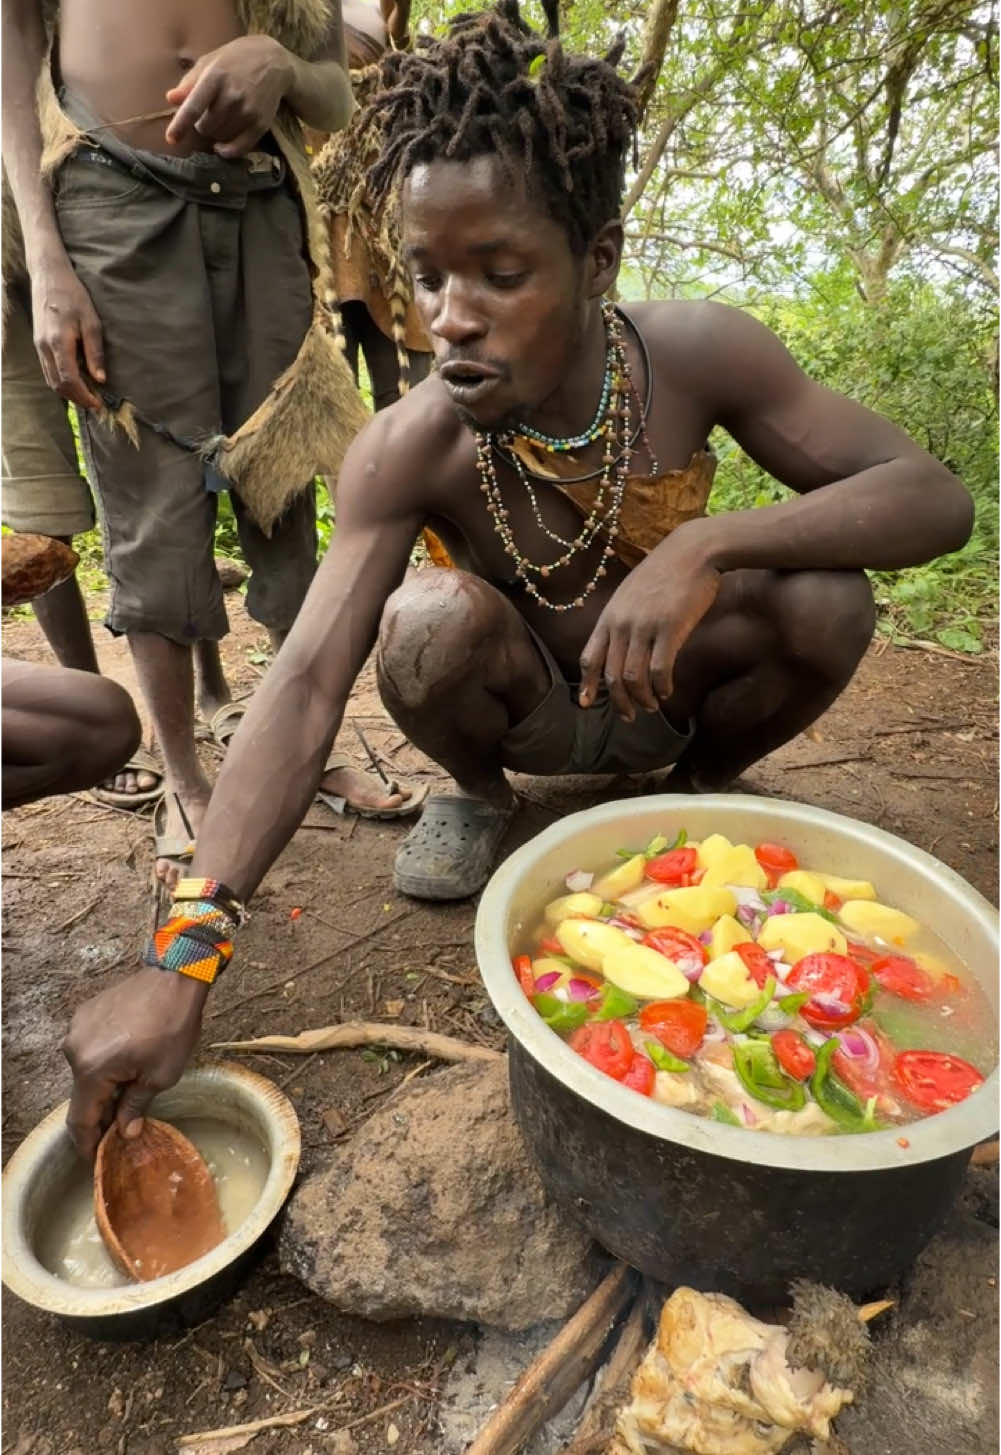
213, 891
194, 942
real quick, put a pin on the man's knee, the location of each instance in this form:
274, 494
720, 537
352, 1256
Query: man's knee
429, 626
113, 729
828, 619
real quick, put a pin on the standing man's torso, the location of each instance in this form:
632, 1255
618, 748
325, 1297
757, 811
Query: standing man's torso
120, 57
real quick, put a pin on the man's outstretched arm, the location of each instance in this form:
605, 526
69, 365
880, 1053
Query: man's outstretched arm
134, 1039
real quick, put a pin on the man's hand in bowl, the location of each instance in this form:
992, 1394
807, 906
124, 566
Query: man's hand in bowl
125, 1045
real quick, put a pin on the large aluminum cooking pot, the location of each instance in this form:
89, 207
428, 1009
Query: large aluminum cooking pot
689, 1200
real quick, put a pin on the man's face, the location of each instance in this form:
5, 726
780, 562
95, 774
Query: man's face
497, 287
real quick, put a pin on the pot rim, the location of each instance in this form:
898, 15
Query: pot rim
26, 1277
934, 1137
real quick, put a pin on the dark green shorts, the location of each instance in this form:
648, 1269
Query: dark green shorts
560, 737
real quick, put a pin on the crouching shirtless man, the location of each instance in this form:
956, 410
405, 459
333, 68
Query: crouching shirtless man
603, 624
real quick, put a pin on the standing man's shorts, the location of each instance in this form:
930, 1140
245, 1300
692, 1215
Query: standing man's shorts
43, 489
197, 269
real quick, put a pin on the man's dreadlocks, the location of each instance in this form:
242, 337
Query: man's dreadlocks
495, 86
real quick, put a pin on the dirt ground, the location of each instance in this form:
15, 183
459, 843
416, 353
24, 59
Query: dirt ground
910, 747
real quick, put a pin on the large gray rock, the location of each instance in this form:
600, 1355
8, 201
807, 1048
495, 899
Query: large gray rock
435, 1208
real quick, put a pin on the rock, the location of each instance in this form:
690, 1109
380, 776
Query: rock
435, 1208
934, 1384
231, 573
32, 565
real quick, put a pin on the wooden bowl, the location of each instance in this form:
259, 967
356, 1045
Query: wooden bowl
155, 1202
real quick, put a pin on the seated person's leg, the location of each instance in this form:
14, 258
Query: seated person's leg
62, 730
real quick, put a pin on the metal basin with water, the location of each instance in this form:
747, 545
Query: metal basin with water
689, 1200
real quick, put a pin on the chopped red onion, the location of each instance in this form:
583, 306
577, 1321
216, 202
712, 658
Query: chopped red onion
748, 897
626, 927
815, 1037
775, 954
773, 1018
548, 980
749, 919
580, 989
713, 1032
750, 1120
778, 906
706, 937
829, 1003
860, 1046
579, 880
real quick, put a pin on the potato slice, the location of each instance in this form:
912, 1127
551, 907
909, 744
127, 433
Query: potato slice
810, 885
727, 979
737, 866
933, 965
694, 909
546, 964
797, 935
623, 880
711, 850
867, 917
570, 905
726, 933
588, 941
644, 972
848, 888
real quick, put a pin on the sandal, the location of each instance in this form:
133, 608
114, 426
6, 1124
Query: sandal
224, 722
180, 848
451, 852
340, 805
142, 761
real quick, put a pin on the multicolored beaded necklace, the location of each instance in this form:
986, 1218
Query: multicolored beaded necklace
615, 404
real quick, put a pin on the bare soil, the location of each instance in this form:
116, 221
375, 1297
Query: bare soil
910, 747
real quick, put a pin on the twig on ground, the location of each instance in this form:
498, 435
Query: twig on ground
80, 914
595, 1430
352, 1034
269, 1422
918, 644
297, 1071
549, 1380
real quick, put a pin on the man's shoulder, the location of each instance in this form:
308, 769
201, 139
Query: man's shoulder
418, 445
680, 329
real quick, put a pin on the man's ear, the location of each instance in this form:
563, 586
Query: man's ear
604, 257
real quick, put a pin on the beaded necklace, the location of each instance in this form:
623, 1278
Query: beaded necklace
603, 519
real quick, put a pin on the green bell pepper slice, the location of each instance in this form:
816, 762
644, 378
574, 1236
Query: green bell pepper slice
616, 1004
833, 1096
722, 1113
562, 1016
662, 1058
799, 902
740, 1020
762, 1076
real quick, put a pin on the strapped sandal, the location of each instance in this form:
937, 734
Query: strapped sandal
450, 853
180, 848
224, 722
142, 761
340, 805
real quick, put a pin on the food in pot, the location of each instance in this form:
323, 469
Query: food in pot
734, 982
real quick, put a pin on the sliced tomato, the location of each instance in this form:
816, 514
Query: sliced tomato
679, 1025
949, 984
932, 1080
901, 976
867, 1081
523, 969
832, 901
776, 860
641, 1074
863, 955
550, 945
672, 867
680, 947
756, 962
793, 1054
606, 1044
836, 986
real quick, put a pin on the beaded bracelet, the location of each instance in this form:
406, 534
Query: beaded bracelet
194, 941
213, 891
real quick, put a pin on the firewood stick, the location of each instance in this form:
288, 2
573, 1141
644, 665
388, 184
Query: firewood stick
367, 1033
595, 1430
551, 1379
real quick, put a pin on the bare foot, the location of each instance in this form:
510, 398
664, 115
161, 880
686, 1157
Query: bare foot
131, 780
172, 830
362, 790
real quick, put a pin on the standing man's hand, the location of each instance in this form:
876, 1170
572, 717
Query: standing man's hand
230, 96
127, 1044
67, 331
638, 636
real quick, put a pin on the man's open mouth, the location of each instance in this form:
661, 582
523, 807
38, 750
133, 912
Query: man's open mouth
467, 383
